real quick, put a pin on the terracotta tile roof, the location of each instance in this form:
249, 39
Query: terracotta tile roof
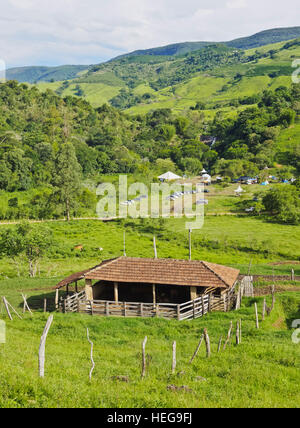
164, 271
77, 276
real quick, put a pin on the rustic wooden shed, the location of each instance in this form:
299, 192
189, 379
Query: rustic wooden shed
152, 282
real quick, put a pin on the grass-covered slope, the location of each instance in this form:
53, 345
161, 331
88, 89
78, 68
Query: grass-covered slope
215, 75
228, 240
160, 54
261, 372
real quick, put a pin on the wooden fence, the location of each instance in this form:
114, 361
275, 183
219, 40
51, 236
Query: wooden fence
247, 289
70, 304
186, 311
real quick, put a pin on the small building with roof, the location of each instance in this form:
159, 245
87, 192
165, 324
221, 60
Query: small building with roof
152, 283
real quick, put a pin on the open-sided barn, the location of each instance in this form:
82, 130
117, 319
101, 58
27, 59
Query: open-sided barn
153, 283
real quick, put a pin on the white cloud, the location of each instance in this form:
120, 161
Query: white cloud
236, 4
75, 31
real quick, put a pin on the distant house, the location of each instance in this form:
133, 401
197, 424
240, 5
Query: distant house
209, 140
141, 287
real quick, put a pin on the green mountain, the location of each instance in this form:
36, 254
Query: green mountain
216, 76
262, 38
266, 37
45, 74
67, 72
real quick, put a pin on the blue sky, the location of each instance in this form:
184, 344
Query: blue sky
55, 32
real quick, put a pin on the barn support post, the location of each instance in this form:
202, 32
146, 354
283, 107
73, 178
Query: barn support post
193, 291
154, 294
89, 289
56, 299
76, 287
116, 292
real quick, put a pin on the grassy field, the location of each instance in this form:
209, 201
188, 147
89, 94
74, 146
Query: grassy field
228, 240
262, 372
229, 236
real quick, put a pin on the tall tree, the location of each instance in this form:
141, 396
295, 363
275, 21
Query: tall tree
67, 177
26, 242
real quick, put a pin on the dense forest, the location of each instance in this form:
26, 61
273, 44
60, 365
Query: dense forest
46, 140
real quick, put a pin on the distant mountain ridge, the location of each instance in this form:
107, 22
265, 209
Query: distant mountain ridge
45, 74
69, 72
262, 38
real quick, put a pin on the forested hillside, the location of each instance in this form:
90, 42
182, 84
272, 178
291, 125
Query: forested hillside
44, 136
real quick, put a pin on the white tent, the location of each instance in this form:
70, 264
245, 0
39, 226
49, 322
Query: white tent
169, 176
206, 178
204, 172
239, 190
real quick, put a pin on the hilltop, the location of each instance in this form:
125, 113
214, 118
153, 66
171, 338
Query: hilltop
217, 76
154, 56
45, 74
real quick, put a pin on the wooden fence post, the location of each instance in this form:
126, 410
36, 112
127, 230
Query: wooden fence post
144, 357
174, 358
7, 309
264, 310
45, 305
7, 304
197, 350
178, 312
207, 342
273, 298
25, 306
238, 333
228, 336
92, 359
256, 315
42, 346
220, 344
